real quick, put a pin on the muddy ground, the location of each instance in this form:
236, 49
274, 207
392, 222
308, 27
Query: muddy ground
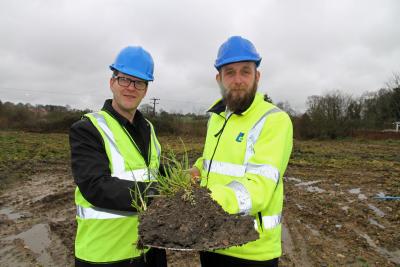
331, 217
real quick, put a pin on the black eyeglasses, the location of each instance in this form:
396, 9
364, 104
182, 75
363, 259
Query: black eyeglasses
126, 82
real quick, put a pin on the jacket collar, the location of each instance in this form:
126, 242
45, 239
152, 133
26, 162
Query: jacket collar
122, 120
219, 106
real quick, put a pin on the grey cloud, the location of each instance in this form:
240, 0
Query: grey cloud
58, 52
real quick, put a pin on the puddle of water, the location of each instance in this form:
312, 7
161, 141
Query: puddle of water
381, 194
355, 191
373, 222
393, 256
309, 188
308, 183
37, 240
314, 189
376, 210
293, 179
10, 213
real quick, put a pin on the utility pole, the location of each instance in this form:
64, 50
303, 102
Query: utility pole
154, 105
397, 125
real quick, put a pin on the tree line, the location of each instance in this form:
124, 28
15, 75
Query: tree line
336, 114
332, 115
52, 118
37, 118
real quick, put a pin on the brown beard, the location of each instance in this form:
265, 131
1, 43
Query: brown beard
238, 103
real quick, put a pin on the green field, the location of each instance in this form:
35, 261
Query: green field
24, 153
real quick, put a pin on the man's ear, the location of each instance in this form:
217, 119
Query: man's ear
257, 75
218, 77
112, 81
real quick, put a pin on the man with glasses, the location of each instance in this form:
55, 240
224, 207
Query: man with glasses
113, 153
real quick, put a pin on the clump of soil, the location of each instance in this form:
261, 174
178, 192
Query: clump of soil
196, 222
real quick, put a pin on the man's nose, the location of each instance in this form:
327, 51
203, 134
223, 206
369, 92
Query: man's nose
237, 79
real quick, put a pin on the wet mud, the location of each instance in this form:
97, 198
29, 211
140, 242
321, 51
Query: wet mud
331, 215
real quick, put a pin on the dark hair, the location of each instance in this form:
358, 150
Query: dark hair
115, 73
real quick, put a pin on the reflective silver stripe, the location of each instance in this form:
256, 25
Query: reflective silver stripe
153, 135
255, 132
139, 175
225, 168
101, 214
264, 170
242, 196
270, 222
118, 162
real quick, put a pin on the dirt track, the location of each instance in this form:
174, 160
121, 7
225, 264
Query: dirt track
331, 217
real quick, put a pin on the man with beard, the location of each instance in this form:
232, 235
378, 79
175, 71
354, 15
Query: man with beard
247, 149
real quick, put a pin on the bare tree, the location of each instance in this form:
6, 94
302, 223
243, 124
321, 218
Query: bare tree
287, 108
394, 82
329, 114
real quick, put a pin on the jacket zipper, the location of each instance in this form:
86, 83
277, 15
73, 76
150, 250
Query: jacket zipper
219, 134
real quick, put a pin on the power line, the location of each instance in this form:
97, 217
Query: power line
154, 104
44, 92
9, 89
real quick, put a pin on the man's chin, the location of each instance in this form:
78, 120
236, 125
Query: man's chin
237, 95
129, 107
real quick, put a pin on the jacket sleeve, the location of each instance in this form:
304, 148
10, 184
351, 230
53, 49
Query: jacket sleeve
264, 171
91, 172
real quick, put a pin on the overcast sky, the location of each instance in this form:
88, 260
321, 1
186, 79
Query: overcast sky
58, 52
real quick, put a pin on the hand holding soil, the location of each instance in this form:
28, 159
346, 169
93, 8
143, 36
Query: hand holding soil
195, 223
185, 217
195, 174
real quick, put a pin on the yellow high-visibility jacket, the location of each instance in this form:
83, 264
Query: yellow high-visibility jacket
105, 235
243, 162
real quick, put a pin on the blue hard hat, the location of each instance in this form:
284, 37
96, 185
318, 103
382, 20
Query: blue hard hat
134, 61
236, 49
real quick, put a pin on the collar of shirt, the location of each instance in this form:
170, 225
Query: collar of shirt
122, 120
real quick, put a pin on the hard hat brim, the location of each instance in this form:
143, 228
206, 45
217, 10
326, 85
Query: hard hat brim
132, 72
219, 65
